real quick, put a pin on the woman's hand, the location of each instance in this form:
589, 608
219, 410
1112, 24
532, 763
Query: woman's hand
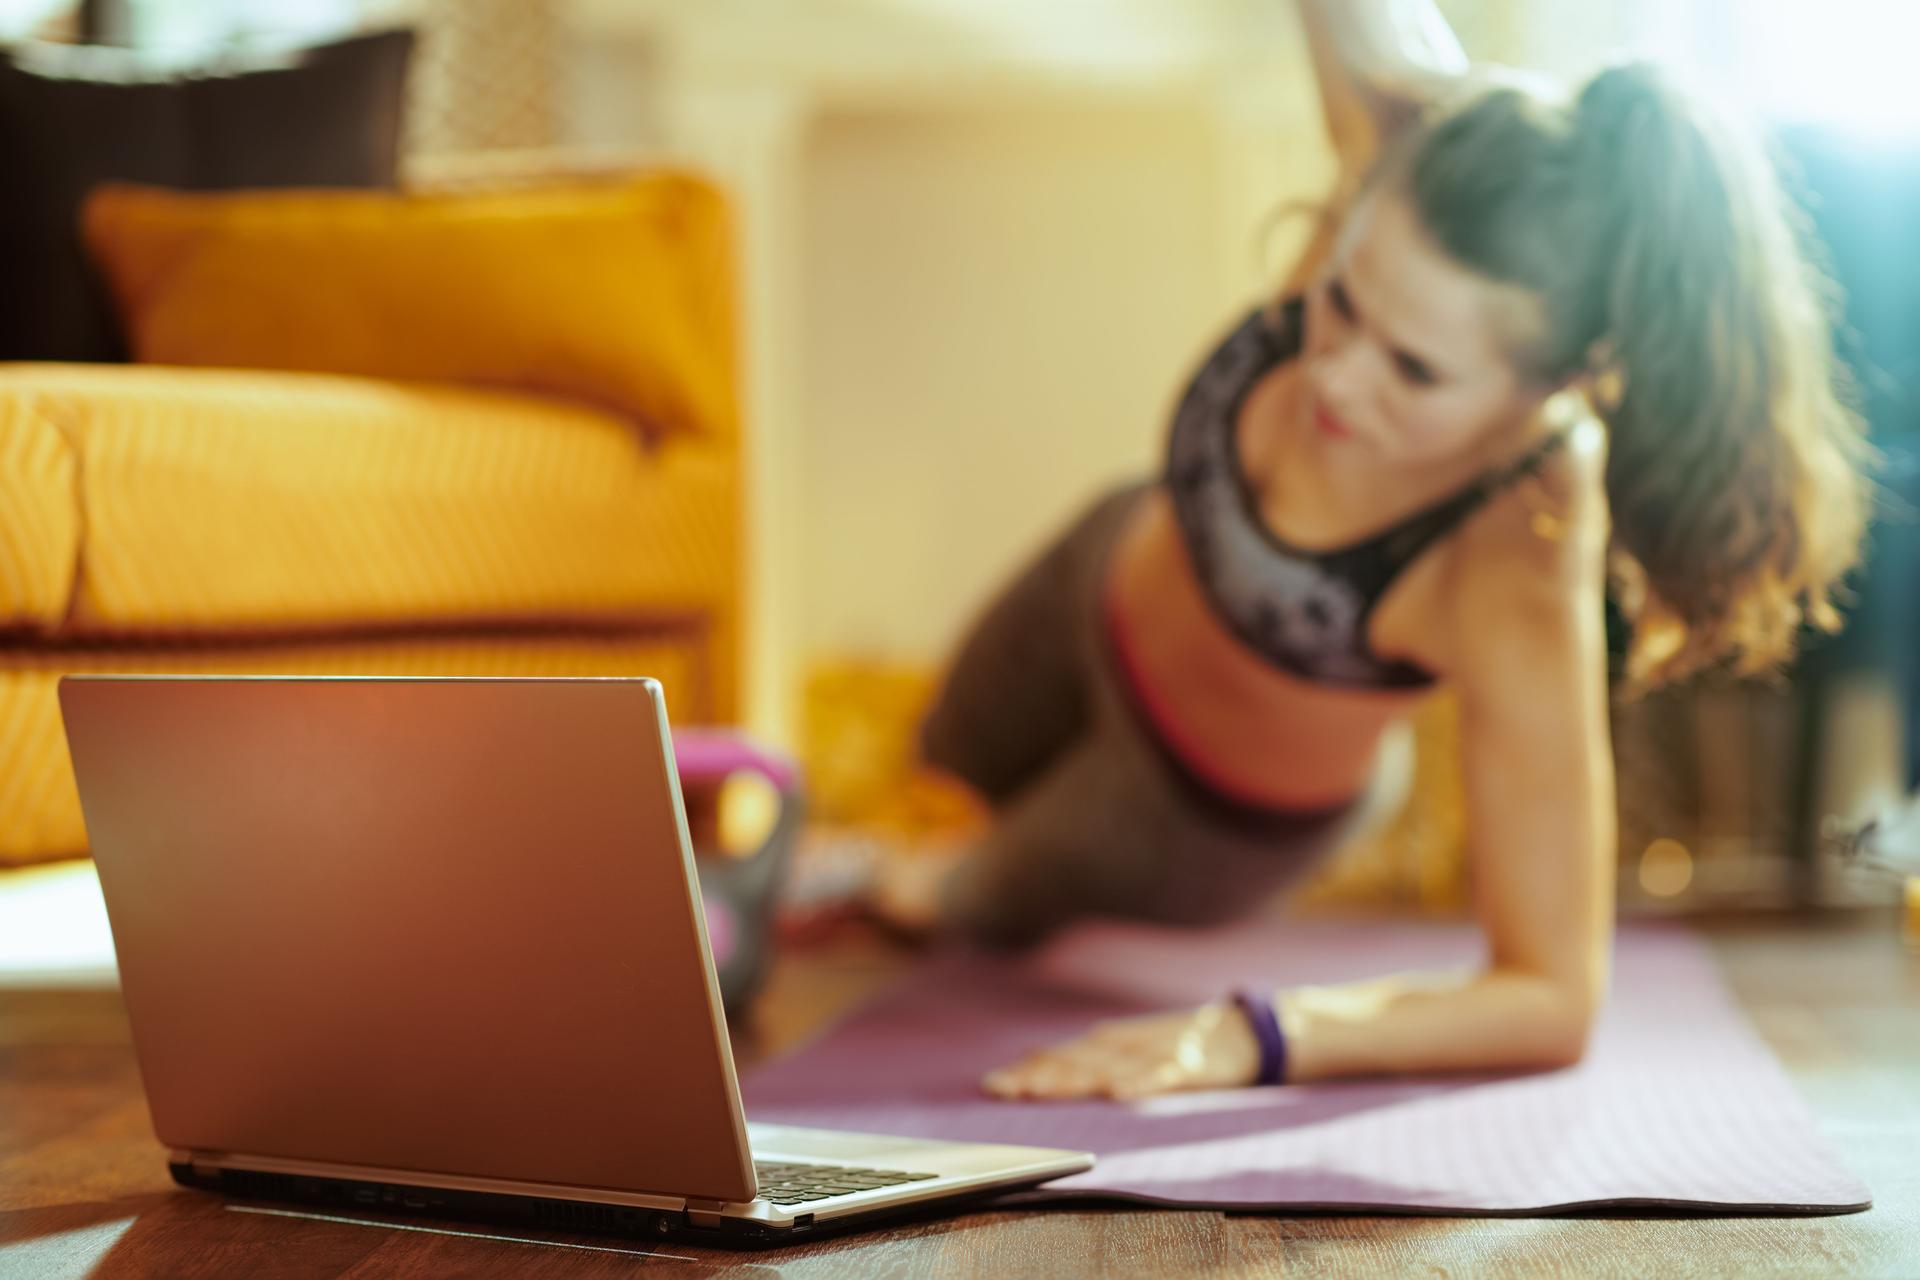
1206, 1048
1398, 56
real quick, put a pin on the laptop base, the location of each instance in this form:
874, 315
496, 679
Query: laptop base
541, 1213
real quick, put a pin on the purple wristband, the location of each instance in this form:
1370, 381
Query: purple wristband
1265, 1024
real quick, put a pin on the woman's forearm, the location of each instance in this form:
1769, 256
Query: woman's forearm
1377, 64
1343, 107
1407, 1024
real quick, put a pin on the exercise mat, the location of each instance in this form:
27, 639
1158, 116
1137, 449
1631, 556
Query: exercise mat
1677, 1103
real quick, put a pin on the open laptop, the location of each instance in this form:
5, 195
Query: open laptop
436, 945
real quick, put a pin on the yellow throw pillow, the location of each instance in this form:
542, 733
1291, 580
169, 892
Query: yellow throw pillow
618, 294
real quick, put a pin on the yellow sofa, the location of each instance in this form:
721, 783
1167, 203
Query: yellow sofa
173, 519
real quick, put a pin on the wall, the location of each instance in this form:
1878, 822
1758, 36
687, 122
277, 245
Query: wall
998, 307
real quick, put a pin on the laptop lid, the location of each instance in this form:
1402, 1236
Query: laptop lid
446, 925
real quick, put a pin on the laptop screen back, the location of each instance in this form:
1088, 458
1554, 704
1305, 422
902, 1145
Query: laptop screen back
434, 925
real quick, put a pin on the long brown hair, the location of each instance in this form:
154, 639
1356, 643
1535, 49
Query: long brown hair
1665, 257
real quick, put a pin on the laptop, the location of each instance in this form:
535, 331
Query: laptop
436, 946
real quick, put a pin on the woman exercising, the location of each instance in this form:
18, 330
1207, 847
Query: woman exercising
1558, 360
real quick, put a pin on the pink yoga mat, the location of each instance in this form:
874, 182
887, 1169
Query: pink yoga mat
1677, 1105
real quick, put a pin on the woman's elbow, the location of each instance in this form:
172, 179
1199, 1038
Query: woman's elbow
1564, 1016
1571, 1032
1569, 1045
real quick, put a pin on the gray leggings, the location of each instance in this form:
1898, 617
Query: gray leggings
1092, 815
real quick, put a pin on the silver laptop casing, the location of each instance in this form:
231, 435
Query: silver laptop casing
439, 938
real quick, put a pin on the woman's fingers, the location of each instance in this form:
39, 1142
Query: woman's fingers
1060, 1073
1002, 1083
1164, 1078
1069, 1079
1024, 1079
1083, 1071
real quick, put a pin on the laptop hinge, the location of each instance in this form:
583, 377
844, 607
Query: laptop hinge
705, 1213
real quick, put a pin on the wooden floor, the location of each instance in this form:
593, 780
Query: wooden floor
84, 1190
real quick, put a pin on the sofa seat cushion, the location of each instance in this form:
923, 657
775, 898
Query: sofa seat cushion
247, 502
39, 516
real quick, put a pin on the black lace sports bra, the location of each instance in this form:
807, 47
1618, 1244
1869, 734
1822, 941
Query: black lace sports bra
1304, 611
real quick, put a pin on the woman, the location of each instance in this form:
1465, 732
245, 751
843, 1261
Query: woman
1553, 347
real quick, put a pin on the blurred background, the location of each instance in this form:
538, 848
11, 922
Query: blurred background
974, 247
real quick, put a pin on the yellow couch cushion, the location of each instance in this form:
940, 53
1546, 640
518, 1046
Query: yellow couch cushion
617, 294
39, 515
235, 501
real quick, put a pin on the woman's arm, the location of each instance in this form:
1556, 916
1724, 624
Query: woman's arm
1378, 65
1527, 656
1529, 665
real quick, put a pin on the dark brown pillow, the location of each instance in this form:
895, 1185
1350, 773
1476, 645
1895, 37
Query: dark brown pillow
72, 117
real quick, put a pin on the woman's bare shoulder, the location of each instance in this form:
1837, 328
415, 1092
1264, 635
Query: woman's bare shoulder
1540, 545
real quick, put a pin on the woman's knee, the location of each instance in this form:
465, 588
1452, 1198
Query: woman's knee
951, 745
1002, 898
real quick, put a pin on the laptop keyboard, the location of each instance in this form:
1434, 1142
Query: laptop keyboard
799, 1183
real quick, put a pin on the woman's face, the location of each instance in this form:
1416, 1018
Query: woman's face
1406, 351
